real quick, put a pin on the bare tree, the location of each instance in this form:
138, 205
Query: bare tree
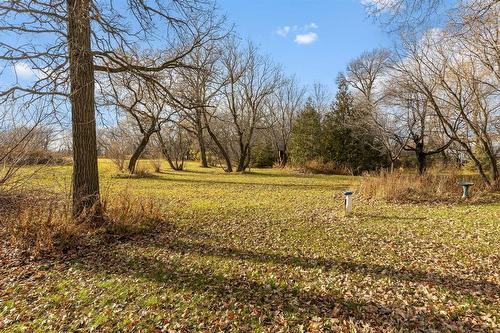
175, 143
199, 91
286, 103
365, 72
421, 131
251, 81
145, 108
21, 134
320, 98
456, 89
367, 75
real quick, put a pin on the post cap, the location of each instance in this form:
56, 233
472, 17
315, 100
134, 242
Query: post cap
347, 193
466, 183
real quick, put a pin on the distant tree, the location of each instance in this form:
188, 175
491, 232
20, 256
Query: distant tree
421, 132
336, 132
305, 141
263, 155
344, 141
251, 80
199, 91
22, 132
144, 108
366, 76
174, 142
284, 107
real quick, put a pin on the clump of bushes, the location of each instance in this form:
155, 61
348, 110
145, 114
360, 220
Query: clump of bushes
41, 225
37, 157
327, 168
44, 157
156, 164
139, 173
263, 156
401, 187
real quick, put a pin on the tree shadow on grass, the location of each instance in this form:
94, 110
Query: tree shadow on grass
387, 217
487, 289
302, 304
115, 258
285, 175
336, 186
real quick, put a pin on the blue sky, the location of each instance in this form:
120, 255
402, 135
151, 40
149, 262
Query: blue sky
313, 39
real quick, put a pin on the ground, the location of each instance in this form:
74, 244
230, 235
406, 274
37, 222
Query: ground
269, 251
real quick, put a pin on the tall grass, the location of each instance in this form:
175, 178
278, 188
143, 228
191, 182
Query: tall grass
401, 187
38, 225
320, 167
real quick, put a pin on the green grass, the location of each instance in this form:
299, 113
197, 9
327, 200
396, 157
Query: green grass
270, 251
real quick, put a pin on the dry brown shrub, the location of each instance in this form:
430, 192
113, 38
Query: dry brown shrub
411, 188
37, 224
41, 225
127, 214
327, 168
156, 164
139, 173
117, 152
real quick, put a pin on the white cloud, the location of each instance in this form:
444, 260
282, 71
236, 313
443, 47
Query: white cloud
283, 31
303, 33
304, 39
24, 71
311, 26
380, 5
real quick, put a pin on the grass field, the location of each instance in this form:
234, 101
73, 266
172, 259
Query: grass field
269, 251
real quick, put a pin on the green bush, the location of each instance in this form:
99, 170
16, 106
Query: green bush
263, 156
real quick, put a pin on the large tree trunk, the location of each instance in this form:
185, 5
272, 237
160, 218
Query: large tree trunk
244, 151
201, 142
242, 161
495, 176
85, 173
138, 152
283, 156
203, 152
422, 162
421, 157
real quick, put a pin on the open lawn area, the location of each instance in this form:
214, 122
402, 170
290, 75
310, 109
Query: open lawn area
269, 250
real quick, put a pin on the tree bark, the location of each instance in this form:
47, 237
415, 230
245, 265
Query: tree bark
85, 180
495, 176
138, 152
201, 143
229, 167
243, 160
421, 161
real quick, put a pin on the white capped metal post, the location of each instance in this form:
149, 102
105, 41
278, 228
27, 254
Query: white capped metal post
347, 202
